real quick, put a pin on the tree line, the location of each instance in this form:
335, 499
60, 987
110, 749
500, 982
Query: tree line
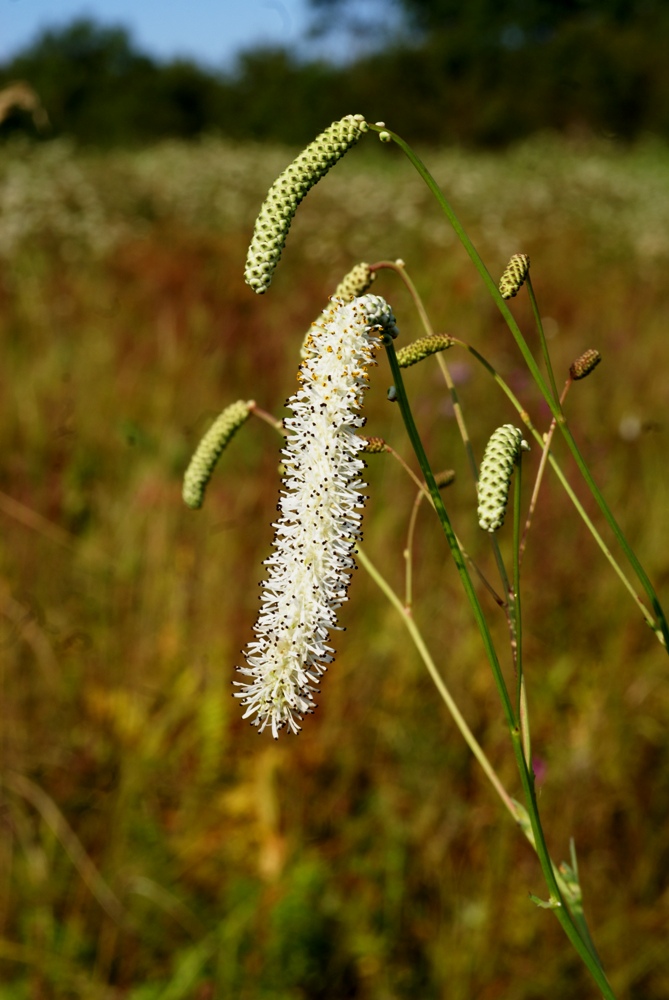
480, 74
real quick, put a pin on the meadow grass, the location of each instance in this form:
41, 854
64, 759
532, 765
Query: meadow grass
152, 844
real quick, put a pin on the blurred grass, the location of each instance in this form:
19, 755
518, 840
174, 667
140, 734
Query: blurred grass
152, 845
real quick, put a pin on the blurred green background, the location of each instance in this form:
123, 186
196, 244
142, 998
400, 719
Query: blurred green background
153, 845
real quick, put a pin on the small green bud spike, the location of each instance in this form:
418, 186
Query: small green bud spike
501, 454
585, 364
423, 348
358, 281
516, 271
444, 478
206, 455
288, 190
374, 446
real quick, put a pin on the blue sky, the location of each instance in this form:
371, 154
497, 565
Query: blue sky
210, 31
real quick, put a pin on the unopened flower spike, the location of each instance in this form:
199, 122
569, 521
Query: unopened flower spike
444, 478
319, 518
585, 364
358, 280
516, 271
411, 354
373, 445
211, 446
288, 190
501, 454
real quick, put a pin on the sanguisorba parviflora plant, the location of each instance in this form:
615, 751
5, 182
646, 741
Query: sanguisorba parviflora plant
320, 514
318, 531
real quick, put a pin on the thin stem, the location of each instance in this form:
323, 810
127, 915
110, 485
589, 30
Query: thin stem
581, 943
540, 473
561, 910
570, 889
542, 336
267, 417
514, 596
439, 682
448, 530
521, 689
661, 626
524, 416
400, 268
408, 551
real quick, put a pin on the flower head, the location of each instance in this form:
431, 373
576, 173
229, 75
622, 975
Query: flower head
319, 505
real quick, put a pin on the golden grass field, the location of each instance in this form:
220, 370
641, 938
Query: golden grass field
155, 847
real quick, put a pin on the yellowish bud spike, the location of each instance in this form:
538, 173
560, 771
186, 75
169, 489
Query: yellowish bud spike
516, 271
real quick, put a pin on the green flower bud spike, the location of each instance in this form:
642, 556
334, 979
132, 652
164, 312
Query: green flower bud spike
211, 446
358, 281
501, 454
374, 445
585, 364
516, 271
444, 478
288, 190
423, 348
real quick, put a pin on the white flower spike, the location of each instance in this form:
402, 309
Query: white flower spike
319, 524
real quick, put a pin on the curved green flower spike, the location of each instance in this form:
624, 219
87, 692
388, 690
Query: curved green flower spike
411, 354
288, 190
501, 454
211, 446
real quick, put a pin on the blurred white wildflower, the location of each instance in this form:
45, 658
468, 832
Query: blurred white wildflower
310, 568
46, 192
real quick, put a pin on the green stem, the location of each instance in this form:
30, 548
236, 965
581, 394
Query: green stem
439, 682
514, 598
524, 416
400, 268
542, 337
419, 451
570, 889
562, 912
582, 943
661, 626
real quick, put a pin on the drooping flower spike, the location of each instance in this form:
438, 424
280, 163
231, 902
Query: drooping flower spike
288, 190
319, 523
210, 448
499, 459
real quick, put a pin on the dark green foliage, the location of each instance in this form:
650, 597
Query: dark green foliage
479, 74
